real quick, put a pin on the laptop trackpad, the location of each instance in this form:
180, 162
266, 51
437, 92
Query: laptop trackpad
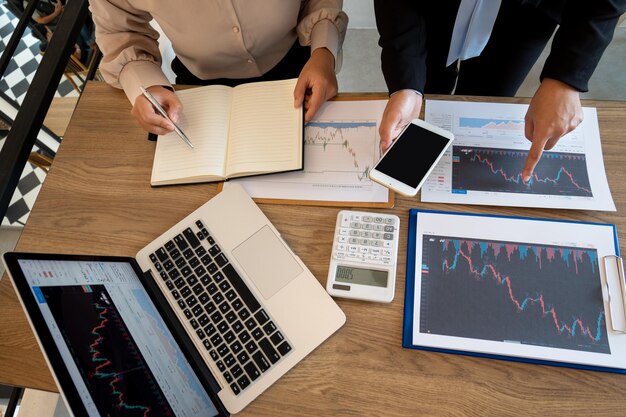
266, 260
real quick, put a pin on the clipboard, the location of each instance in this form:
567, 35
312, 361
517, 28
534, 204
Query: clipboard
457, 232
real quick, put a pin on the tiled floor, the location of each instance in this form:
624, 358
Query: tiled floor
14, 84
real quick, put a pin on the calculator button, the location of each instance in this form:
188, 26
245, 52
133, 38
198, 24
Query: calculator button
390, 220
368, 219
345, 221
378, 219
344, 231
353, 241
389, 229
378, 227
378, 243
343, 239
367, 226
388, 236
354, 232
387, 244
355, 225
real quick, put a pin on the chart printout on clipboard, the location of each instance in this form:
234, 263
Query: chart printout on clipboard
524, 289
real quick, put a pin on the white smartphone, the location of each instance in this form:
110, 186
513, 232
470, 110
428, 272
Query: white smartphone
411, 157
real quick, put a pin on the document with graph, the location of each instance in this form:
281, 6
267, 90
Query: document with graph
522, 289
484, 164
341, 144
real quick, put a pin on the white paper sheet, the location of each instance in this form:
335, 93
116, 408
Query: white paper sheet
341, 146
483, 165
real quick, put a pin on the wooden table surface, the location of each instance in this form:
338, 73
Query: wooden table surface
97, 199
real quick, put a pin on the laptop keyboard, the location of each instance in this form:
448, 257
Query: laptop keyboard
240, 337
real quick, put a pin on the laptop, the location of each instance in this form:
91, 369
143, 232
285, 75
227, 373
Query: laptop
201, 322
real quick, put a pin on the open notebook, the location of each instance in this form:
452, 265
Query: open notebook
247, 130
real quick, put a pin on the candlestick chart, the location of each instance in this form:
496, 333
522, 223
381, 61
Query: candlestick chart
116, 374
499, 170
512, 292
342, 149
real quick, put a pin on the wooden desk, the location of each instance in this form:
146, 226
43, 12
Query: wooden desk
97, 199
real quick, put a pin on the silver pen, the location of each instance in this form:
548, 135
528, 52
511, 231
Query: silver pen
163, 113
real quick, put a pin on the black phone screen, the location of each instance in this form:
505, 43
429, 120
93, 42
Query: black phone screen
412, 155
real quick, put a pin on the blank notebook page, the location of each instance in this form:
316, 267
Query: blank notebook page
264, 122
205, 120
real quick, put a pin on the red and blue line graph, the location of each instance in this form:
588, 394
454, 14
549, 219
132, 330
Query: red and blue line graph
499, 170
513, 292
114, 370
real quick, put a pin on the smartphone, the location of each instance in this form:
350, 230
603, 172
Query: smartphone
411, 157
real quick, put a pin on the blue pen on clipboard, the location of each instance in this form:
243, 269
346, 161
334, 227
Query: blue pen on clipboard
163, 113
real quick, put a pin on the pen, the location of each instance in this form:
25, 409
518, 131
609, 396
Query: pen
163, 113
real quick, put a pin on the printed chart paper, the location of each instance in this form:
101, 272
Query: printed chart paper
341, 146
485, 162
525, 288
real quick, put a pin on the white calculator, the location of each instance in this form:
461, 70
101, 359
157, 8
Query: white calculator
364, 256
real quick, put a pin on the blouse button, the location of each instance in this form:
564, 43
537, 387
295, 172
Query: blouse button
235, 29
250, 61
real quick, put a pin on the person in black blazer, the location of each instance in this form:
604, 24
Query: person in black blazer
415, 38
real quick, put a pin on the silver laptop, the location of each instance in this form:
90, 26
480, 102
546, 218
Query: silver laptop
200, 322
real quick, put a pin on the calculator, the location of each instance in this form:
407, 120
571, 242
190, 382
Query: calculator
364, 256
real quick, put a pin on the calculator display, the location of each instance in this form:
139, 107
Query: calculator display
351, 275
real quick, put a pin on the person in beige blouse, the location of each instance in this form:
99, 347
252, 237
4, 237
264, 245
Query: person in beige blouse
219, 42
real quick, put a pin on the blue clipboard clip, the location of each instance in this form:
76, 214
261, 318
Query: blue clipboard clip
614, 267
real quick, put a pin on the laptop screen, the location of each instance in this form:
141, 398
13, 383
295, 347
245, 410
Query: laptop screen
119, 353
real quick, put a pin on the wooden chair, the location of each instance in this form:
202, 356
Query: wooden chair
77, 71
37, 159
40, 161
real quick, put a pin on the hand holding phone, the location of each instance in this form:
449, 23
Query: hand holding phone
411, 157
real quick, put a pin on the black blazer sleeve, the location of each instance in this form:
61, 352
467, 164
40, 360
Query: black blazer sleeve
403, 41
586, 28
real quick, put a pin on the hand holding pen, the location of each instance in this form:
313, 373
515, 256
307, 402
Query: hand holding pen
161, 115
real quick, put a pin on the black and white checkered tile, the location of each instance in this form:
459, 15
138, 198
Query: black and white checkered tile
24, 197
15, 83
25, 62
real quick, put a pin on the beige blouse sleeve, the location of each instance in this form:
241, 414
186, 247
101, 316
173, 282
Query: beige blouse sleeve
323, 24
129, 46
